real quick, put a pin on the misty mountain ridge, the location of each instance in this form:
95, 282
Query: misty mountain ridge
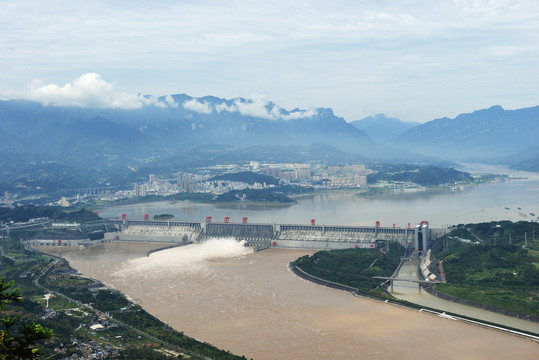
382, 129
490, 135
183, 123
114, 138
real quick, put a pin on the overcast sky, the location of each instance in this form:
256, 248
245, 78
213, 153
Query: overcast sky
415, 60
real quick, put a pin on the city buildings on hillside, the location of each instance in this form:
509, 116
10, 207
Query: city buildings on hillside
302, 174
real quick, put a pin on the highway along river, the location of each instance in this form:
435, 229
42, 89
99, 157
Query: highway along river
251, 304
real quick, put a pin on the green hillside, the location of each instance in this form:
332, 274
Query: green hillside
353, 267
496, 264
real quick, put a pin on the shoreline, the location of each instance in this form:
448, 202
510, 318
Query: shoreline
513, 314
240, 347
412, 306
363, 192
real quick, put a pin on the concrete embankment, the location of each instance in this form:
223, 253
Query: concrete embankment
529, 335
451, 298
302, 274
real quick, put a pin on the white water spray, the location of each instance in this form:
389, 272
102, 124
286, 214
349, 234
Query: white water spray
194, 258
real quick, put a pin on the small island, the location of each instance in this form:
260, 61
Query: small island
163, 217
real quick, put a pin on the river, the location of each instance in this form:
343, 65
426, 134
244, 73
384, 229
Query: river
442, 208
251, 304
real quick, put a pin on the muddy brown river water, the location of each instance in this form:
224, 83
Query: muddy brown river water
251, 304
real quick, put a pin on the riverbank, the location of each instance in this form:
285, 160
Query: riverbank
251, 302
478, 305
408, 305
204, 198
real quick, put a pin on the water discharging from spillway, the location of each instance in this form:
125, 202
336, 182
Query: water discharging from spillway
251, 304
194, 258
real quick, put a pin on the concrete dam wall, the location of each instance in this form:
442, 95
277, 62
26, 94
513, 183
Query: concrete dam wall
318, 237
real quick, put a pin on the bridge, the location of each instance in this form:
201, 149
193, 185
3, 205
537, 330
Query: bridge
417, 281
262, 236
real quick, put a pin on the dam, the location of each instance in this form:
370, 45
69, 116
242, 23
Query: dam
262, 236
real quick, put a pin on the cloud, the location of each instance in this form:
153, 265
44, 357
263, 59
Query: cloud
197, 106
258, 106
299, 114
417, 59
88, 90
225, 107
170, 101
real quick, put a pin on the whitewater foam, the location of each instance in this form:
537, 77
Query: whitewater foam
193, 258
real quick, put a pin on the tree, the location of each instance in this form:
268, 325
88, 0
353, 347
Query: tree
18, 343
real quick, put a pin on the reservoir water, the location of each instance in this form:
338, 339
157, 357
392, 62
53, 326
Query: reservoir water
476, 204
251, 304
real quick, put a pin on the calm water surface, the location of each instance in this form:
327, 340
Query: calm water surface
476, 204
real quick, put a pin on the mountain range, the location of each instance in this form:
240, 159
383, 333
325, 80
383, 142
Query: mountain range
492, 135
383, 129
181, 131
117, 136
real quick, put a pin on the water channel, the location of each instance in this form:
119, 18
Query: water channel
411, 292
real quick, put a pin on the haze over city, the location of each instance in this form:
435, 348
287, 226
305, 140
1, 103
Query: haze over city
414, 60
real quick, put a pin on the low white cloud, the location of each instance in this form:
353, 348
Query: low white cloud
259, 106
197, 106
299, 114
225, 107
170, 101
88, 90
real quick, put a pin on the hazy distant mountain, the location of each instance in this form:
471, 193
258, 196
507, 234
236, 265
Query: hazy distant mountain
43, 146
175, 123
381, 128
529, 164
490, 135
525, 160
